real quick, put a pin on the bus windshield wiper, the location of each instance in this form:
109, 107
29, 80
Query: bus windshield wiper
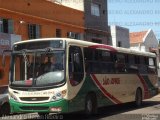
25, 57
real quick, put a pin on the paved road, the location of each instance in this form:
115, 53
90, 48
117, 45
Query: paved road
150, 110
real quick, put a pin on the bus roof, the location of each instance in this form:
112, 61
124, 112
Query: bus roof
94, 45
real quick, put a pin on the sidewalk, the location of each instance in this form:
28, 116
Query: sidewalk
155, 98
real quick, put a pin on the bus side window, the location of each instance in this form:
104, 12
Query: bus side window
132, 67
120, 63
107, 64
76, 71
143, 66
88, 55
152, 66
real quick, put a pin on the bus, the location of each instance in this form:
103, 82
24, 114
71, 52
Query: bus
89, 76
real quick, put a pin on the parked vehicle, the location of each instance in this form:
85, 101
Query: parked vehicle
4, 102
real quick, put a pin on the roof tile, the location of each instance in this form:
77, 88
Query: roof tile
137, 37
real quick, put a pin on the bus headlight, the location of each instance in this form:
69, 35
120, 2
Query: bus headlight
13, 97
58, 95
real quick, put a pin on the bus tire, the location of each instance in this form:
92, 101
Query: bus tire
91, 105
5, 109
138, 97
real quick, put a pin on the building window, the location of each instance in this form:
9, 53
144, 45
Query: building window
33, 31
58, 33
104, 12
95, 9
109, 41
6, 25
74, 35
119, 44
97, 41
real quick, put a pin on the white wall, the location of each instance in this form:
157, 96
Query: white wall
150, 40
75, 4
138, 47
113, 35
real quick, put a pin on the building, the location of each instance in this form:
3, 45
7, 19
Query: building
95, 17
119, 36
29, 19
143, 40
96, 21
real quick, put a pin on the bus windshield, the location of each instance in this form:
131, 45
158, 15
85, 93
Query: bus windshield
37, 68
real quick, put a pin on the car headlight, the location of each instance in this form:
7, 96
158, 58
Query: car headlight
58, 95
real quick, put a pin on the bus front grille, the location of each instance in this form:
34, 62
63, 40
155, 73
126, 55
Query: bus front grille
34, 108
34, 98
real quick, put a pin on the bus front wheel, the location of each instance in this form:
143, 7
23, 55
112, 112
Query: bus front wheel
90, 104
5, 109
138, 98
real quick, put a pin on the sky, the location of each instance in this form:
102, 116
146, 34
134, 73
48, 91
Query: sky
136, 15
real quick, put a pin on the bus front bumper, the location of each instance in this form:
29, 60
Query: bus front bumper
60, 106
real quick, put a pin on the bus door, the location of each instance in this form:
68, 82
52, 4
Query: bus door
76, 71
76, 75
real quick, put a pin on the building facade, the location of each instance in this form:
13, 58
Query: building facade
96, 21
143, 41
95, 18
30, 19
120, 36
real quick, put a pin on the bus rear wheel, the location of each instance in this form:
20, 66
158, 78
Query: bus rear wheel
138, 98
91, 105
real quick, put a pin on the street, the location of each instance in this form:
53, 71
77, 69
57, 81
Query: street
150, 110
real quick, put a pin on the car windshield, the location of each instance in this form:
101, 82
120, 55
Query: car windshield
41, 68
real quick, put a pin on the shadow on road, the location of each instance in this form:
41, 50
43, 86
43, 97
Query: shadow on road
102, 112
119, 109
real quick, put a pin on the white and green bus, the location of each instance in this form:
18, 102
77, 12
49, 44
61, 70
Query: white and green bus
89, 76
